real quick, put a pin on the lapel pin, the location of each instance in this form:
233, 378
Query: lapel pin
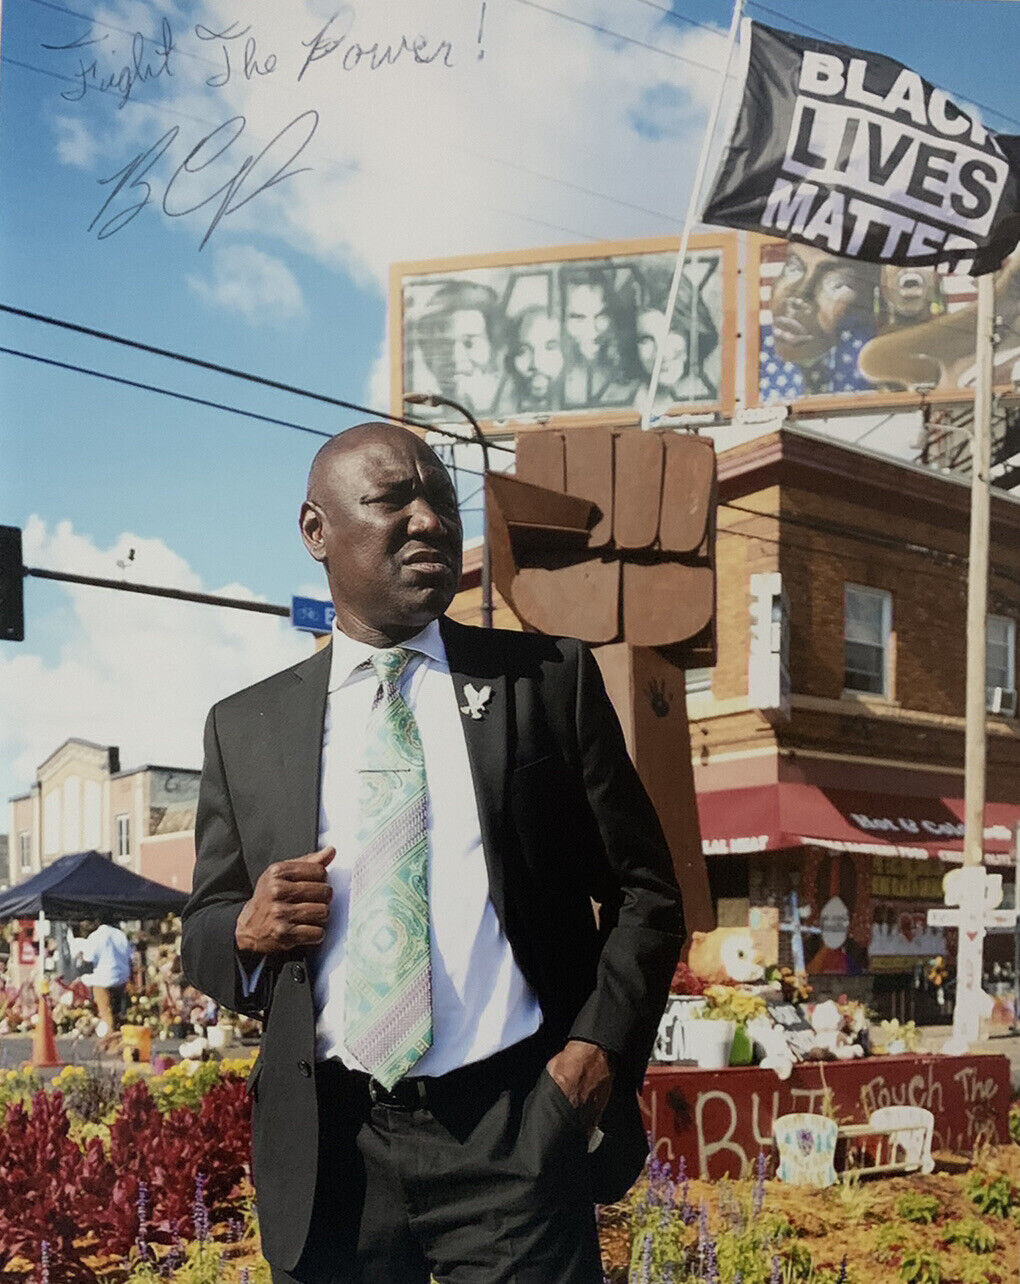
476, 701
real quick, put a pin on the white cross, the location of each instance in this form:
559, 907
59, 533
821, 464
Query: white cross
977, 894
40, 933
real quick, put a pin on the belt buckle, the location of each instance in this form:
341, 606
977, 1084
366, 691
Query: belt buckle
381, 1096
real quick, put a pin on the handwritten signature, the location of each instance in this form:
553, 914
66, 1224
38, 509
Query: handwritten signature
184, 192
249, 60
121, 81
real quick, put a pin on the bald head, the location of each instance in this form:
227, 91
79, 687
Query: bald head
354, 440
381, 516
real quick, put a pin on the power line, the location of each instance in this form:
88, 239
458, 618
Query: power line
261, 380
935, 555
618, 35
165, 392
103, 89
669, 13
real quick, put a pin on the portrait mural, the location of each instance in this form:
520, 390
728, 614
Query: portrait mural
844, 329
568, 330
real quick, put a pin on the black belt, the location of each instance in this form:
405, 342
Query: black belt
422, 1092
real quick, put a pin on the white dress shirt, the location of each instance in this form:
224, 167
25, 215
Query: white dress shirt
481, 1002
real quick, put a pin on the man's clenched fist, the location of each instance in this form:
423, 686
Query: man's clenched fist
289, 906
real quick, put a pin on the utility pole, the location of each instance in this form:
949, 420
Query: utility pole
972, 888
977, 576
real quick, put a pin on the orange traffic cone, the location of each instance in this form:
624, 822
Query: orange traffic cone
44, 1046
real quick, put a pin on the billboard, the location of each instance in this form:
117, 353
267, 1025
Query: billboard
836, 333
565, 332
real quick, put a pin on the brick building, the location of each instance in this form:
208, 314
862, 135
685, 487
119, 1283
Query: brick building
81, 800
828, 740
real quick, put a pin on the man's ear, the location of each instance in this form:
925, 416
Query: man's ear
310, 523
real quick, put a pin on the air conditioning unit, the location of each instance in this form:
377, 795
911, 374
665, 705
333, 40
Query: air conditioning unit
1000, 700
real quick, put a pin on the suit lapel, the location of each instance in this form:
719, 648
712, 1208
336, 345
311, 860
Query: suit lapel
299, 747
472, 661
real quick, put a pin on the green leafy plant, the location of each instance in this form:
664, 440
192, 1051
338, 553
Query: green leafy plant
889, 1241
916, 1206
855, 1200
919, 1266
1013, 1119
993, 1193
972, 1234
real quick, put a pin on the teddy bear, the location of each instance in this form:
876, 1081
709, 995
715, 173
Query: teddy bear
725, 954
830, 1038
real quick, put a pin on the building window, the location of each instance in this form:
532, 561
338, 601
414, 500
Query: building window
25, 850
867, 622
123, 836
1000, 664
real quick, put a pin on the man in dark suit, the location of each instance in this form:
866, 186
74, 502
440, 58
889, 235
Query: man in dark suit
399, 844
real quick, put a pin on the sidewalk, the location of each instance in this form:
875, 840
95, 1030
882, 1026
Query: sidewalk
15, 1049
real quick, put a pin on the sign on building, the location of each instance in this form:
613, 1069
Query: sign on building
566, 331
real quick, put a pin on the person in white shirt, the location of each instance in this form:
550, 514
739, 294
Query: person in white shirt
108, 951
399, 842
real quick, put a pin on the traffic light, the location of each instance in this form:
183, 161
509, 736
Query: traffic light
12, 581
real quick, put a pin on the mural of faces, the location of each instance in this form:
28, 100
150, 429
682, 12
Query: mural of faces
458, 337
909, 294
830, 326
815, 297
534, 339
535, 357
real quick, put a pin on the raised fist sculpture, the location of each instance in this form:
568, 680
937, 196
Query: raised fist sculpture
609, 536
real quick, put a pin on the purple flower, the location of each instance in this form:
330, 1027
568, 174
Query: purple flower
686, 1212
758, 1189
200, 1213
142, 1205
711, 1269
646, 1261
44, 1262
841, 1277
805, 1140
774, 1274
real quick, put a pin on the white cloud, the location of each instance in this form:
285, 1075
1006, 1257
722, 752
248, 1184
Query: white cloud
136, 671
557, 134
245, 280
75, 144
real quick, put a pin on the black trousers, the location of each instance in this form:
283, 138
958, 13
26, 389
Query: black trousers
484, 1183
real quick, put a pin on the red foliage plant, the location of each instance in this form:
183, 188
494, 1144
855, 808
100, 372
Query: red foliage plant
84, 1203
685, 982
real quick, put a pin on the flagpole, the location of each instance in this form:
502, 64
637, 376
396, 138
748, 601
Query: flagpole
690, 219
977, 576
971, 930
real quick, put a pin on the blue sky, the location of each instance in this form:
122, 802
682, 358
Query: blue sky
553, 135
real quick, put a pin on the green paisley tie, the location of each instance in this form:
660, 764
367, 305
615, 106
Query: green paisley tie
388, 999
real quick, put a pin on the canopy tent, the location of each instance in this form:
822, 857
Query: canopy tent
88, 885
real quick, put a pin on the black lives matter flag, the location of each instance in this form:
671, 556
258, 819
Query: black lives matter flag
856, 154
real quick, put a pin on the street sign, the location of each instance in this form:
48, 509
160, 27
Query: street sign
310, 614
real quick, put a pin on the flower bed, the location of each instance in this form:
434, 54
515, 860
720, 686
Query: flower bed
133, 1180
942, 1229
98, 1180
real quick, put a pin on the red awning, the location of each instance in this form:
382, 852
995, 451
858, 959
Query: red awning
788, 814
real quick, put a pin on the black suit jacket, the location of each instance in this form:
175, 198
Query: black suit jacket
565, 821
